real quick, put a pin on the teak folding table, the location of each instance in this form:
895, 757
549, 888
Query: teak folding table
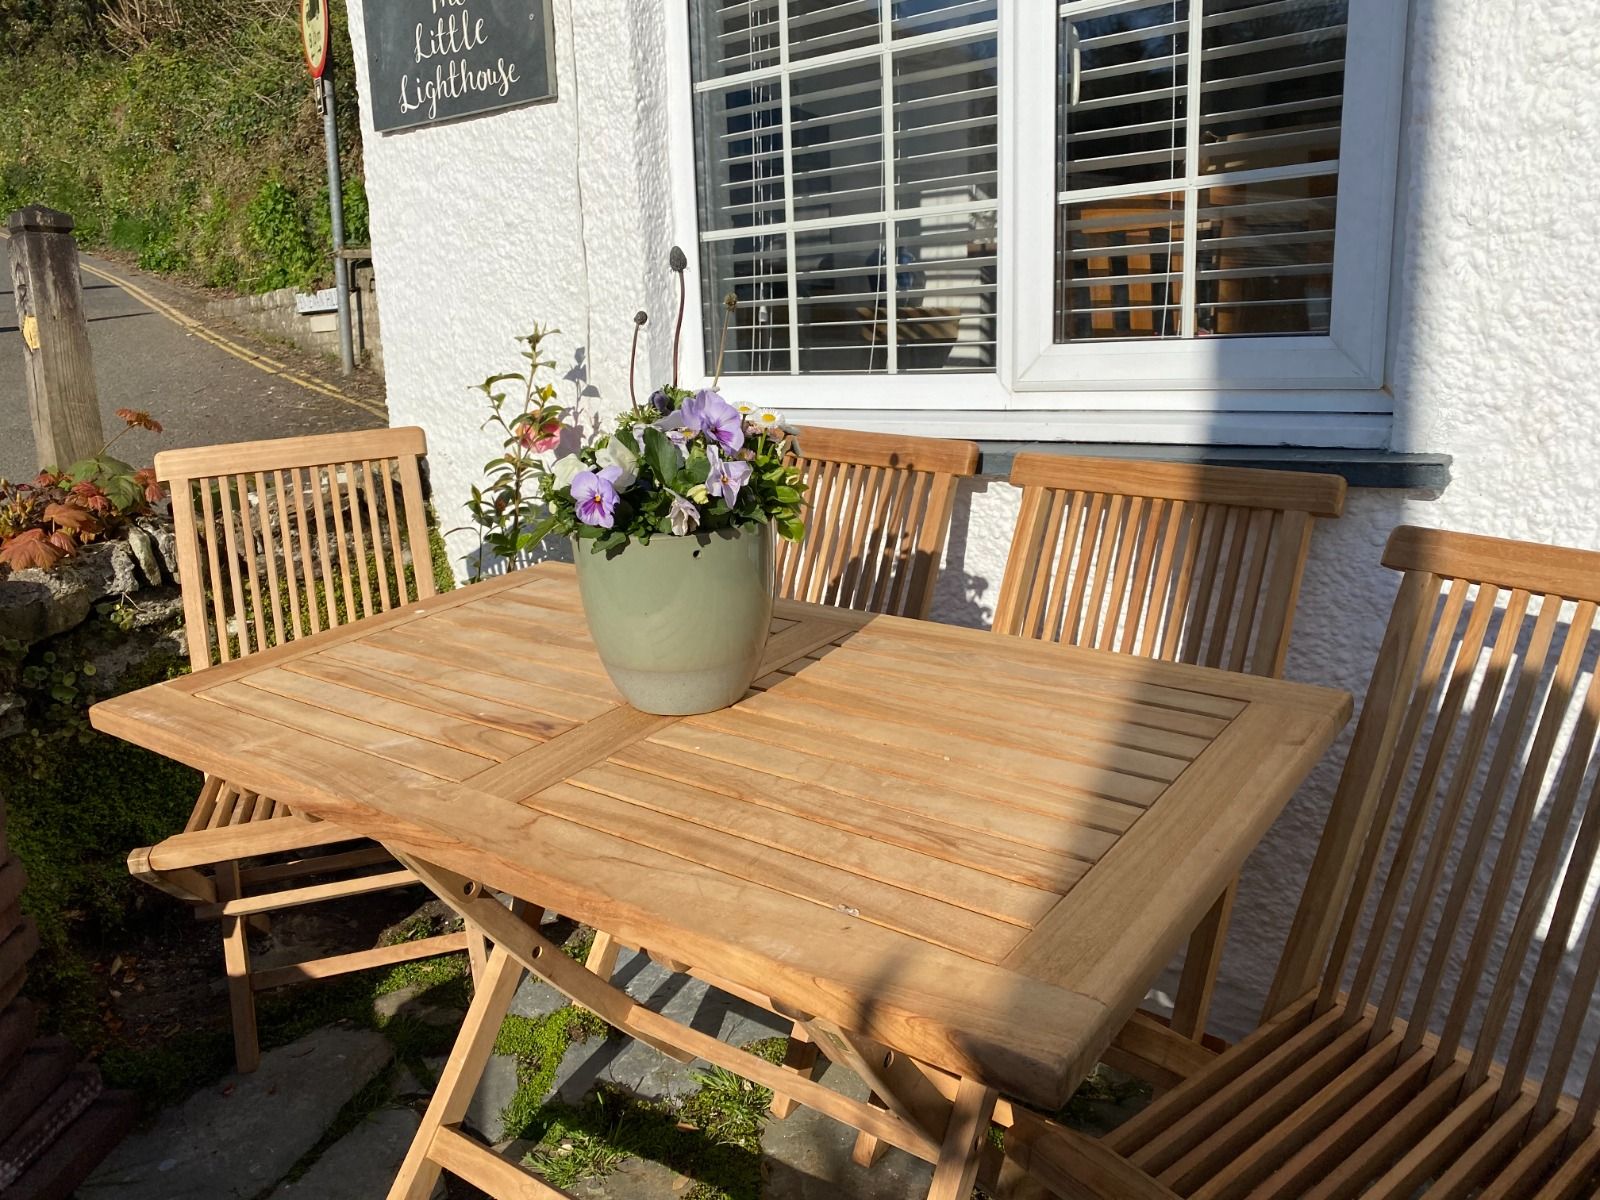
957, 859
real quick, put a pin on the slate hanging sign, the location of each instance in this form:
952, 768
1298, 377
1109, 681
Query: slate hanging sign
438, 60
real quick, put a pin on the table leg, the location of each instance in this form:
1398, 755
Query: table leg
491, 1000
440, 1143
957, 1168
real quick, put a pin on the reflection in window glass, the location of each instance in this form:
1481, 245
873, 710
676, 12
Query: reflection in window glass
1198, 145
872, 177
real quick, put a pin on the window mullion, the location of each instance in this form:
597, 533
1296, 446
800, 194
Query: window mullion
891, 252
1191, 165
792, 286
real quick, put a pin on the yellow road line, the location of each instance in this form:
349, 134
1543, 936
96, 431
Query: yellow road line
243, 353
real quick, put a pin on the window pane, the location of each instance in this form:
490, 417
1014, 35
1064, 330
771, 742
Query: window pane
1267, 77
841, 291
891, 251
826, 26
1124, 96
755, 270
945, 292
1265, 257
740, 131
945, 129
1272, 83
836, 120
913, 17
1120, 268
730, 36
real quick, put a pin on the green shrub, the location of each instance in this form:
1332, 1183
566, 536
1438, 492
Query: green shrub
201, 152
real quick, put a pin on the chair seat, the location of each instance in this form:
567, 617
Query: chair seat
1314, 1107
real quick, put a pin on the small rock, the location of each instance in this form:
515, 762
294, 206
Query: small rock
166, 541
409, 1002
361, 1164
495, 1090
12, 714
145, 554
37, 604
235, 1138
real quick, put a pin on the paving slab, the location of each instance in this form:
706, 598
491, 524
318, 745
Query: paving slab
362, 1164
234, 1139
643, 1071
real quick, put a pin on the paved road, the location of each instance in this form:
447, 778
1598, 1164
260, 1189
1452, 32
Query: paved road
199, 392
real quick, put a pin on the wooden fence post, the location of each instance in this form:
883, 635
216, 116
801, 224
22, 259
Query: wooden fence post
62, 401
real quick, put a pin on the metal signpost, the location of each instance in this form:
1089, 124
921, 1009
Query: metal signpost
314, 40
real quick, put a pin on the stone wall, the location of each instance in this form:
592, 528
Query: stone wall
274, 314
138, 571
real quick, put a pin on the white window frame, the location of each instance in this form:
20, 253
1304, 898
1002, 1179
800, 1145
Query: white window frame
1306, 391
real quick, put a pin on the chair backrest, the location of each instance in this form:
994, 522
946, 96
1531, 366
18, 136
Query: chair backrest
877, 511
281, 539
1174, 561
1449, 889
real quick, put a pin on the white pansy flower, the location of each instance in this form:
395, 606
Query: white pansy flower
565, 468
615, 454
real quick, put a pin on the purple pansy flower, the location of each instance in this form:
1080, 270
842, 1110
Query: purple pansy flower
595, 494
708, 413
726, 477
660, 401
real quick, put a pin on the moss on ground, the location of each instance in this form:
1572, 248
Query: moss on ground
711, 1136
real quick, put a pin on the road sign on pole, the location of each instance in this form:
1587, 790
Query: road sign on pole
314, 35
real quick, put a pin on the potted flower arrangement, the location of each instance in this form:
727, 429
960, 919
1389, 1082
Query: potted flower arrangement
672, 516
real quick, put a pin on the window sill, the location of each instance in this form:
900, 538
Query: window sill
1359, 468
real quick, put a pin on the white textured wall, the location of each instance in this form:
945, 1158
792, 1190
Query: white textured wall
555, 213
477, 230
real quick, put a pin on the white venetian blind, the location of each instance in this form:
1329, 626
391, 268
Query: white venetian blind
846, 168
1198, 164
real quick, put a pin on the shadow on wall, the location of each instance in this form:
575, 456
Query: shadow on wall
958, 597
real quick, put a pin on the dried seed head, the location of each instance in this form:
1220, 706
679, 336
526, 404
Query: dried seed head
678, 260
640, 317
730, 301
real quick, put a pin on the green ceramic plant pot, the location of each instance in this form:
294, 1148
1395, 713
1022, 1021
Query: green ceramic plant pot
681, 623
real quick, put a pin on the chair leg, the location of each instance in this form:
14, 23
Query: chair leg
801, 1058
1200, 964
602, 959
477, 954
236, 960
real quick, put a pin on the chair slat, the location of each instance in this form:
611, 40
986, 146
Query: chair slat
380, 567
290, 561
269, 556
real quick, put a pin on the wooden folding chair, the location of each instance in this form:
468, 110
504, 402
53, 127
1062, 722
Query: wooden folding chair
1171, 561
276, 541
1436, 997
878, 510
877, 513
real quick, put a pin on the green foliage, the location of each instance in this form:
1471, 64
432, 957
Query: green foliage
78, 800
539, 1044
198, 148
279, 231
444, 576
510, 505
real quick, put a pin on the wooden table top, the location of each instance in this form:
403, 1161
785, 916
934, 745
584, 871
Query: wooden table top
977, 849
